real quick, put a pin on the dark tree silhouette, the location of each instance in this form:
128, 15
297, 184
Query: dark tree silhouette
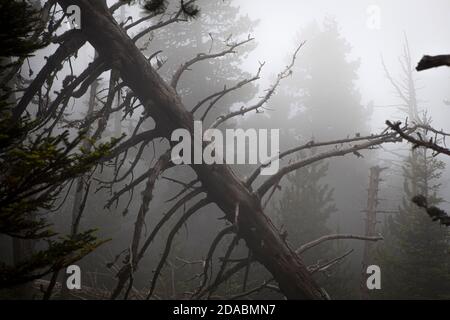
35, 165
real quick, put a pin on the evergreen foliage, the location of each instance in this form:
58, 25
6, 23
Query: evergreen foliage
35, 165
415, 257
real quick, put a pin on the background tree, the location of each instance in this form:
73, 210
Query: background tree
414, 256
303, 210
302, 109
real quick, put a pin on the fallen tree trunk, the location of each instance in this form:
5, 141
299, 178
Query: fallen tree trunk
222, 185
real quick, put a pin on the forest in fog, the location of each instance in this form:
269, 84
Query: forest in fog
224, 149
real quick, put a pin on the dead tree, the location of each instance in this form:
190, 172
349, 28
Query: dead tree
426, 137
428, 62
222, 186
371, 222
433, 143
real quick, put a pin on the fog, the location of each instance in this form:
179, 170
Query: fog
340, 87
423, 24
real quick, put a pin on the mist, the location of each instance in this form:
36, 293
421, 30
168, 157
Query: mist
360, 183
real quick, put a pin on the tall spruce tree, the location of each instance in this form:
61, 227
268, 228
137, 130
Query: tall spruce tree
304, 206
415, 254
303, 110
310, 205
322, 85
303, 210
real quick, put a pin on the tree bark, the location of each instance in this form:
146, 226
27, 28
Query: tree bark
222, 185
371, 222
429, 62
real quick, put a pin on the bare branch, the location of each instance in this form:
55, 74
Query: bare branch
65, 50
334, 153
143, 19
309, 145
188, 186
428, 62
223, 266
152, 174
203, 56
429, 144
269, 93
394, 84
125, 271
209, 256
219, 95
177, 17
200, 204
143, 137
161, 165
226, 275
264, 285
117, 5
316, 242
329, 264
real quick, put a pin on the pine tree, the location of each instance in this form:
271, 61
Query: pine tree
35, 165
322, 85
305, 204
303, 210
415, 255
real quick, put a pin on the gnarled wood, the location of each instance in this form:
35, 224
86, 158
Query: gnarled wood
222, 185
428, 62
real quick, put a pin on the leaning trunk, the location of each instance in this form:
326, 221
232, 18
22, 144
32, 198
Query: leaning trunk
222, 185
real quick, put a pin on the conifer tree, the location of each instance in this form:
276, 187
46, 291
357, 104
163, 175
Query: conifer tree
35, 165
305, 205
415, 254
310, 204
